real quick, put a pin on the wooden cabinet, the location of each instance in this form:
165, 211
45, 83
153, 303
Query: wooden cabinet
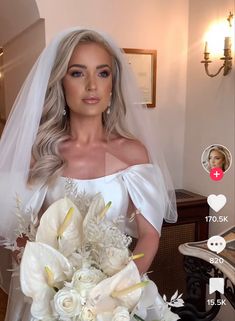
168, 271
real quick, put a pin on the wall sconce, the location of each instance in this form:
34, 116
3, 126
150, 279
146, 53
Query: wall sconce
227, 58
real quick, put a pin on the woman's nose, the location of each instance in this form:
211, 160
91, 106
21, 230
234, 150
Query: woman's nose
91, 83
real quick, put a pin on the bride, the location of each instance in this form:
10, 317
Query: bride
79, 116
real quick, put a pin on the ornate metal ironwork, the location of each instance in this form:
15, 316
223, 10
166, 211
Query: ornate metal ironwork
198, 274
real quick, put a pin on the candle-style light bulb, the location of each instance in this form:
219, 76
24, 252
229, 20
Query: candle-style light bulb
227, 43
206, 47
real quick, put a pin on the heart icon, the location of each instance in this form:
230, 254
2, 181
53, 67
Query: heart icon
216, 202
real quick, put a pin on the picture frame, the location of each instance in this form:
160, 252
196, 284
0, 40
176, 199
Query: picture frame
144, 65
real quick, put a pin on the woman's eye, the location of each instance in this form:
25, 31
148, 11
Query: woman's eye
104, 73
76, 73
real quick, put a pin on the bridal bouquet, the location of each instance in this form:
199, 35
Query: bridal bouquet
78, 267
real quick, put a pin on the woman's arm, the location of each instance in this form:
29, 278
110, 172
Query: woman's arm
148, 242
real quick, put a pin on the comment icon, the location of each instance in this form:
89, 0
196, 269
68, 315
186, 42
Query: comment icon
216, 243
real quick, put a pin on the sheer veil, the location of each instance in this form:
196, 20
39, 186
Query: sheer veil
22, 126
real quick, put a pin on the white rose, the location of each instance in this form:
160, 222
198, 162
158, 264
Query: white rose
112, 260
67, 303
121, 314
86, 278
87, 315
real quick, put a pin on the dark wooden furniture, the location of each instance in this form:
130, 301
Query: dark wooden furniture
168, 271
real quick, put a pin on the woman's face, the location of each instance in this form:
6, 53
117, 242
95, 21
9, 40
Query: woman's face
216, 159
88, 81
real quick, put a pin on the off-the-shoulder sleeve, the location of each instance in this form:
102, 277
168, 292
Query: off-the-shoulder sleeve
147, 191
37, 199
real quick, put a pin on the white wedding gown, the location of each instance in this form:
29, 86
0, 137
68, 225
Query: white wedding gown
142, 183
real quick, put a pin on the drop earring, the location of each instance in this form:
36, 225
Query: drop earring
108, 110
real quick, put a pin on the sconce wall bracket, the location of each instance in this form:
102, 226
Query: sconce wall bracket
227, 58
227, 65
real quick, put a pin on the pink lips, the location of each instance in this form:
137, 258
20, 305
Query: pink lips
91, 100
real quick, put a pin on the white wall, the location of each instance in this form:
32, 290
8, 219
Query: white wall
149, 24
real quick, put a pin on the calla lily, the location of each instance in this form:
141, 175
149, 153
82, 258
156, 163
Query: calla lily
42, 270
61, 227
100, 298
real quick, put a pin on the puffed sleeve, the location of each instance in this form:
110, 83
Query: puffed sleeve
37, 199
147, 191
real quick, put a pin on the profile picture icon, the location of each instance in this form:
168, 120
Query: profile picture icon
216, 156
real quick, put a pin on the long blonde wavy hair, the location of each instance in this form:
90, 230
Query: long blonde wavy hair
47, 163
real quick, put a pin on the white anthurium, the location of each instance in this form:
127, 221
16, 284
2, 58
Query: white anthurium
168, 315
149, 299
61, 227
42, 270
121, 289
150, 295
105, 316
121, 314
118, 314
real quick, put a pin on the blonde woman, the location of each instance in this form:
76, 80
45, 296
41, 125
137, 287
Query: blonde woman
218, 157
79, 116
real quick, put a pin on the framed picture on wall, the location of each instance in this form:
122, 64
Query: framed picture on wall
144, 65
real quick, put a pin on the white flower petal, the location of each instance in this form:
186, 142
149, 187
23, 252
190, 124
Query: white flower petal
106, 316
41, 307
52, 220
121, 314
170, 316
113, 259
174, 296
67, 303
33, 277
150, 295
100, 296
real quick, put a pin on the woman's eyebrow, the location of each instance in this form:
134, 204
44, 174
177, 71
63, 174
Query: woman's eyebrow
77, 65
85, 67
103, 66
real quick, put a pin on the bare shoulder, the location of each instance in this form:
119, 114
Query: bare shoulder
133, 151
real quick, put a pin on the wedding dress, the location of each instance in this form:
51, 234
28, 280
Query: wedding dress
149, 188
141, 183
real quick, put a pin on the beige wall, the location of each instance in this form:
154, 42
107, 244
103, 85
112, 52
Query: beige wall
147, 24
19, 55
15, 17
209, 116
2, 97
210, 110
